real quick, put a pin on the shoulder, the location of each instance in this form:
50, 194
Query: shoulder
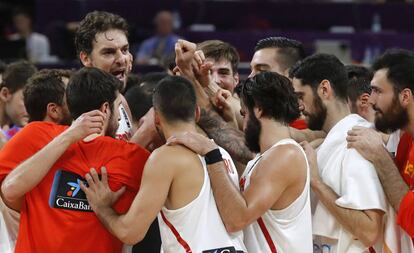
121, 147
175, 154
39, 128
284, 159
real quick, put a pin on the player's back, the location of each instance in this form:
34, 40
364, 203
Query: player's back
190, 219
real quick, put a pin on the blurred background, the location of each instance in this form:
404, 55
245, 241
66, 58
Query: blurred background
355, 31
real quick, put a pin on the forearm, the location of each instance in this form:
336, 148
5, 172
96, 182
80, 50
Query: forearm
29, 173
230, 203
117, 226
357, 222
393, 184
141, 137
224, 135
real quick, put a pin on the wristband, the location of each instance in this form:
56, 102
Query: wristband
213, 156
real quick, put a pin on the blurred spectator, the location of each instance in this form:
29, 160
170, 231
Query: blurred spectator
12, 109
152, 50
37, 45
13, 113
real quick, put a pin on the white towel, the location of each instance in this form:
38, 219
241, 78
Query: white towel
355, 180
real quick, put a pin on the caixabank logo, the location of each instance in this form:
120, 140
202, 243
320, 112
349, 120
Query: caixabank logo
66, 192
222, 250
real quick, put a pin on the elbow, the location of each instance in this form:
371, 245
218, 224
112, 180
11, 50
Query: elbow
129, 238
370, 237
235, 225
232, 228
8, 191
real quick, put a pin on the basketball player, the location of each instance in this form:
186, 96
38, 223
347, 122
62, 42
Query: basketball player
273, 207
175, 185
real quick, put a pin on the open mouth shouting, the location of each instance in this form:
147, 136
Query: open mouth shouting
120, 74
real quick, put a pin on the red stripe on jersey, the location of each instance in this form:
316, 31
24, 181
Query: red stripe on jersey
267, 235
177, 235
372, 250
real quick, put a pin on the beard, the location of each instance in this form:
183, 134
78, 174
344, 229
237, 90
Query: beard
316, 119
394, 118
252, 133
112, 127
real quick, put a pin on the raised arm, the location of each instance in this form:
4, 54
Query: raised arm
191, 67
231, 139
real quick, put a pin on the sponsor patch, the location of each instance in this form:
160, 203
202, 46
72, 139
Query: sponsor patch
66, 192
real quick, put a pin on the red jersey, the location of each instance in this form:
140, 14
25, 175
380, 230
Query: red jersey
405, 217
299, 124
405, 158
405, 163
55, 215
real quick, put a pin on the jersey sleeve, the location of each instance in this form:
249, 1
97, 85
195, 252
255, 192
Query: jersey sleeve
361, 187
405, 217
136, 158
22, 146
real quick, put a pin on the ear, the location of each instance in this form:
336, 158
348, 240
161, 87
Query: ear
258, 112
405, 97
364, 98
5, 94
197, 113
105, 108
325, 90
157, 119
236, 79
53, 111
85, 59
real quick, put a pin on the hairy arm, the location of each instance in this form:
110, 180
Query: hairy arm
394, 185
131, 227
225, 135
369, 144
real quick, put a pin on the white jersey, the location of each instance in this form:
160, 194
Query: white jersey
283, 231
197, 227
9, 228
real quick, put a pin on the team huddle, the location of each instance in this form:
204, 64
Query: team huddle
305, 155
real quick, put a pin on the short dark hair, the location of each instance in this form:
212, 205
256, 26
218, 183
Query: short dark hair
16, 75
89, 88
97, 22
359, 81
174, 97
400, 66
289, 51
44, 87
318, 67
139, 97
220, 50
273, 93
